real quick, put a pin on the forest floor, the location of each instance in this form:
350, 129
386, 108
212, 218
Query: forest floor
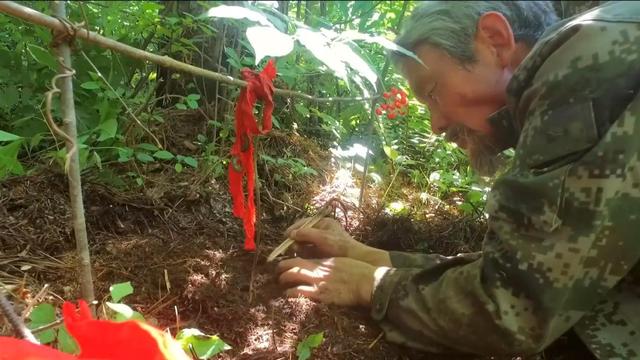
181, 248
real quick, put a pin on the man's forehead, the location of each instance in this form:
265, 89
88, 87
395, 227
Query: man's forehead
414, 71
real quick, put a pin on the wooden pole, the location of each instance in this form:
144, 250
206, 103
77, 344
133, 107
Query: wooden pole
75, 188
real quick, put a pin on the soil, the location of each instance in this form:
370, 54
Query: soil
178, 244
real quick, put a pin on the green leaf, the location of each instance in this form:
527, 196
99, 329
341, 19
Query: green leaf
391, 153
268, 41
308, 344
302, 109
181, 106
9, 163
108, 129
205, 346
163, 155
98, 160
43, 314
194, 97
90, 85
124, 154
120, 290
314, 340
192, 104
5, 136
146, 146
124, 312
66, 343
43, 56
238, 12
178, 168
144, 157
190, 161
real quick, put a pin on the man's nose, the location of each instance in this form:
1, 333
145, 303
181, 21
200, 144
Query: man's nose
438, 122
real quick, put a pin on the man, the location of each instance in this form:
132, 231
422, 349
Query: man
563, 242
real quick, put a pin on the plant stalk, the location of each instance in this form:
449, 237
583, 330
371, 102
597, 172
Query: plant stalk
75, 186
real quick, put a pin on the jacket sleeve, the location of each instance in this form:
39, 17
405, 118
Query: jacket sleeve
401, 259
563, 219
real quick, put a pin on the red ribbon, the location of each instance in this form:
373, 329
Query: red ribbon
259, 87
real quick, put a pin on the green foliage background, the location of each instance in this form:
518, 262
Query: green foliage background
118, 150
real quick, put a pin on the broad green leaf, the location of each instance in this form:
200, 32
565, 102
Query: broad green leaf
355, 62
125, 154
144, 157
233, 57
43, 314
10, 96
178, 168
238, 12
120, 290
90, 85
195, 97
382, 41
391, 153
108, 129
302, 109
124, 312
205, 346
146, 146
9, 163
311, 342
193, 104
163, 155
318, 44
190, 161
5, 136
314, 340
268, 41
181, 106
43, 56
66, 343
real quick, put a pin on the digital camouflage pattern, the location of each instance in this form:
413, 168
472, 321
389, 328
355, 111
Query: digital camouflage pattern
563, 243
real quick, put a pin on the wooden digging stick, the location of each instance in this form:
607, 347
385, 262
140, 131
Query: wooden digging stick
311, 222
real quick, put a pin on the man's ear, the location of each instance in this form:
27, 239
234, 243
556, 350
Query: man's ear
495, 31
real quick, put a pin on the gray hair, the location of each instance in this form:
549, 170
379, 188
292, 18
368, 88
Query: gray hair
451, 25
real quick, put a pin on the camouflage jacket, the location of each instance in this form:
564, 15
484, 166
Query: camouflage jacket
563, 243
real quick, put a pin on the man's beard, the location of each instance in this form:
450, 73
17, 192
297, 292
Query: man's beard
484, 155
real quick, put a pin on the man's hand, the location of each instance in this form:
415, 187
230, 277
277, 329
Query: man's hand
339, 281
329, 239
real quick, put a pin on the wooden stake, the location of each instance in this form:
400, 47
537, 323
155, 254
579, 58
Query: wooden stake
75, 188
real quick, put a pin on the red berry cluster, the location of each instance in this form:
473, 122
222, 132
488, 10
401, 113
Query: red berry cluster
395, 103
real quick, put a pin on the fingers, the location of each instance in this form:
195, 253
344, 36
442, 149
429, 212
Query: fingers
308, 291
311, 236
324, 224
288, 264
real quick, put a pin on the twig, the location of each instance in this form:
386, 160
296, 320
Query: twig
324, 211
16, 322
48, 326
135, 118
33, 16
374, 342
36, 299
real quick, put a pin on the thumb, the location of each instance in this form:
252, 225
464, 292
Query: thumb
310, 235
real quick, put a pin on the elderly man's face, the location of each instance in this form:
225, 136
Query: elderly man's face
460, 100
